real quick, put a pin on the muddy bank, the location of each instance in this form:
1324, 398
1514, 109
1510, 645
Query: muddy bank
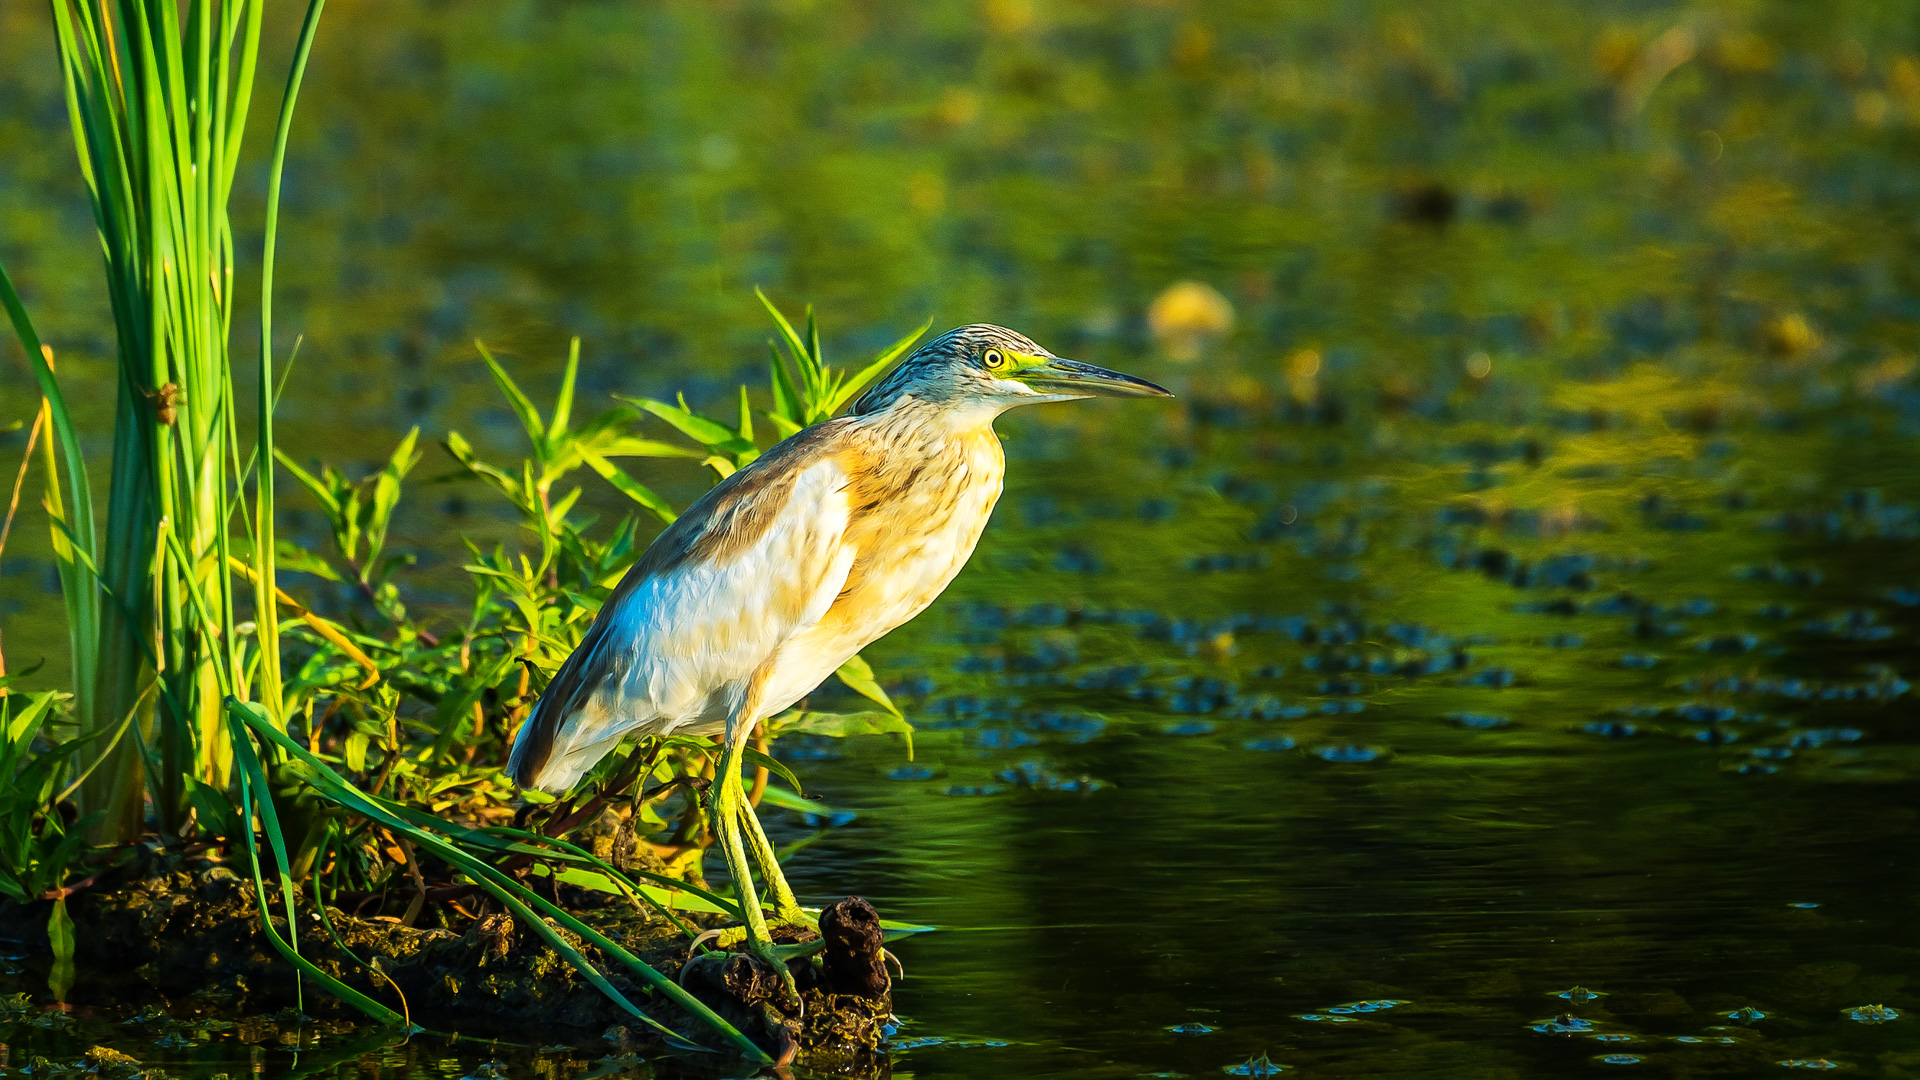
173, 927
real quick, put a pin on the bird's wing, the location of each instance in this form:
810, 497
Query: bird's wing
757, 558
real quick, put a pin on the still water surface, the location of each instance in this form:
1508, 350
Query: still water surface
1520, 598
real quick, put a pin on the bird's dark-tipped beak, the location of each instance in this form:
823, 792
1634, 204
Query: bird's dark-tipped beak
1056, 376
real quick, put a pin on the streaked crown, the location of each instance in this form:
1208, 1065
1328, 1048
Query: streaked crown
953, 367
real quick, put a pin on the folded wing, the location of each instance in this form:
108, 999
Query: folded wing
757, 559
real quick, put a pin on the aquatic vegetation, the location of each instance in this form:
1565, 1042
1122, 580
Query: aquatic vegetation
1258, 1065
526, 615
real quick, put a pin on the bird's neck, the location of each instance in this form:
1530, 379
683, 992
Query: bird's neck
911, 420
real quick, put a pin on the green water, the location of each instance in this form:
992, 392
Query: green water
1522, 596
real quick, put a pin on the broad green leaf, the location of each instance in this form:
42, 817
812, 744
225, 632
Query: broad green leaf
857, 674
60, 932
60, 937
841, 725
773, 765
291, 556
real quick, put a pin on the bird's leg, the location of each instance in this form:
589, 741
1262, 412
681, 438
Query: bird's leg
729, 797
786, 909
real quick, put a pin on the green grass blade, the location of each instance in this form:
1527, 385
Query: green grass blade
252, 775
710, 433
628, 446
786, 400
265, 576
773, 765
787, 333
522, 405
563, 406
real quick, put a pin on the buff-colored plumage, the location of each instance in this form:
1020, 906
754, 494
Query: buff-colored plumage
776, 577
786, 569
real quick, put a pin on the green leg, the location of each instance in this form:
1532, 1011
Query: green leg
786, 909
728, 800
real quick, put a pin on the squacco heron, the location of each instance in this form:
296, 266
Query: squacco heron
786, 569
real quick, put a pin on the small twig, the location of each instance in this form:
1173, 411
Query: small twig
13, 504
419, 900
634, 768
68, 890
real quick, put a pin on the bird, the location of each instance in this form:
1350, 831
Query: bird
786, 569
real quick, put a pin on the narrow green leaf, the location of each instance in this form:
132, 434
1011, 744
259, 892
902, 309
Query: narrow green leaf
841, 725
787, 800
710, 433
794, 344
522, 405
628, 486
312, 483
292, 556
563, 405
745, 432
627, 446
786, 400
774, 766
785, 427
253, 776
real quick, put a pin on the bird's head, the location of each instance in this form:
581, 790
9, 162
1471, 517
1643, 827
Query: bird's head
991, 368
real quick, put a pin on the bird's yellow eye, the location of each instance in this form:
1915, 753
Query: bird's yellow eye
994, 359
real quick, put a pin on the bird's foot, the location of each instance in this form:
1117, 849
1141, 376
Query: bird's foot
796, 930
793, 935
